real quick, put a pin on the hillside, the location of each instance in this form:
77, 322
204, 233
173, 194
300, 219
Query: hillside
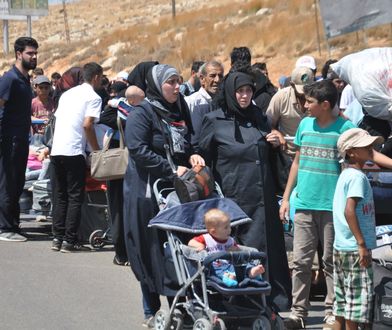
122, 33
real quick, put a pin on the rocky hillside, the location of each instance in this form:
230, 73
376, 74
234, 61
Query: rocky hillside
121, 33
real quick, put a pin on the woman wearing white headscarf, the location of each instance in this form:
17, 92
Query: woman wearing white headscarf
163, 117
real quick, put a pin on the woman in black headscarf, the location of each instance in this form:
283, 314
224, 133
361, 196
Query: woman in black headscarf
138, 75
162, 118
236, 140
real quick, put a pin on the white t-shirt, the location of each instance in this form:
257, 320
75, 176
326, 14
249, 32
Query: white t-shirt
74, 106
347, 97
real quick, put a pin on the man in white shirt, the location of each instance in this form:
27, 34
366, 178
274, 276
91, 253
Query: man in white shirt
79, 108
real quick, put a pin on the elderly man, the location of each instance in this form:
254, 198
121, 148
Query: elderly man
199, 103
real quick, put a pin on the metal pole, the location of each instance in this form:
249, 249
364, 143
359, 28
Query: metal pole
317, 27
174, 9
5, 37
66, 26
29, 26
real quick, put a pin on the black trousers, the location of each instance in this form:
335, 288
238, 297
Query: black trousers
68, 178
116, 200
14, 151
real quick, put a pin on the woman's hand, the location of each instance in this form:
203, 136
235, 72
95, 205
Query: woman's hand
181, 170
274, 138
196, 159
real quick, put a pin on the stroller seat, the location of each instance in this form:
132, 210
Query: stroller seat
244, 255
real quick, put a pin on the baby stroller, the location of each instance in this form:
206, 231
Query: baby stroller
207, 302
382, 270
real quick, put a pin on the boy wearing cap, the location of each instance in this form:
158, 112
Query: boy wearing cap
42, 105
314, 172
355, 235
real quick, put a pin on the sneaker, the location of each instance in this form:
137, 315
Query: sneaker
329, 321
120, 261
40, 218
294, 322
56, 244
149, 322
12, 237
73, 247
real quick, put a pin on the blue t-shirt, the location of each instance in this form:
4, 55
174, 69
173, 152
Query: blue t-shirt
15, 116
353, 183
319, 166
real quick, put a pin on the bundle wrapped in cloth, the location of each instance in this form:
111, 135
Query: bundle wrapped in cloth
369, 72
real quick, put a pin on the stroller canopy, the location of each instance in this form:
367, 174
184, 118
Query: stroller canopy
189, 217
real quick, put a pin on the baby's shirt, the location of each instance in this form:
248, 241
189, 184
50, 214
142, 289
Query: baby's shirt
214, 245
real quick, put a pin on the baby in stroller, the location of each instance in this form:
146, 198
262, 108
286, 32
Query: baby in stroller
218, 239
201, 295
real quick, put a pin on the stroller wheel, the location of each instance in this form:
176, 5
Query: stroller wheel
261, 323
202, 324
219, 324
96, 239
162, 320
177, 320
278, 323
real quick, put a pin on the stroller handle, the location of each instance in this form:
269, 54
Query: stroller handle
236, 257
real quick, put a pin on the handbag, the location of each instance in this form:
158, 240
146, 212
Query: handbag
195, 184
110, 164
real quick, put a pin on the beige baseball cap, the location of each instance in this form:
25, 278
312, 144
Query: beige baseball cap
356, 138
301, 76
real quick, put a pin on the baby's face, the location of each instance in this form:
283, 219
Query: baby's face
223, 230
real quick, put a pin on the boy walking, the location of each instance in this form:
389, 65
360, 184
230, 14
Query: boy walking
355, 234
314, 172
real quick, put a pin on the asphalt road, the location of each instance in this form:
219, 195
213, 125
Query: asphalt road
42, 289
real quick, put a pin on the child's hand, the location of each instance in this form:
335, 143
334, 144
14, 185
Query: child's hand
256, 271
365, 257
284, 211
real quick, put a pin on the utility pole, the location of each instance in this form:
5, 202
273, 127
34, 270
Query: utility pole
317, 27
174, 9
66, 26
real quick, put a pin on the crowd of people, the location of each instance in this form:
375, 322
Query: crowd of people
260, 141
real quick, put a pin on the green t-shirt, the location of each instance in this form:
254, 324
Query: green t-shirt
319, 166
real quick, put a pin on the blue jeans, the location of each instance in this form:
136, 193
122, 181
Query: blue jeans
151, 301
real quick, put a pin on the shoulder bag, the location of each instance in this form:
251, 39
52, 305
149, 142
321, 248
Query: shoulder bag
195, 184
110, 164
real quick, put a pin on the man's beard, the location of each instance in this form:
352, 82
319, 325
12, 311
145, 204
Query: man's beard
28, 65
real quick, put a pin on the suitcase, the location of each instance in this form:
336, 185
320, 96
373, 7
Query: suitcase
383, 296
382, 269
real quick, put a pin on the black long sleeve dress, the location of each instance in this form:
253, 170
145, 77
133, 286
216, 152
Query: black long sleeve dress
147, 163
239, 155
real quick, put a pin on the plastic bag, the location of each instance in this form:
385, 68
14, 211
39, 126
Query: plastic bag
369, 72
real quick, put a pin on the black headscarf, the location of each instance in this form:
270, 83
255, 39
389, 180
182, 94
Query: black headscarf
232, 82
138, 75
177, 111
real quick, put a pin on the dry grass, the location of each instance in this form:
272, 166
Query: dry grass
203, 30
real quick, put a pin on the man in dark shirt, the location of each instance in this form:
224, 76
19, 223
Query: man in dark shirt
15, 122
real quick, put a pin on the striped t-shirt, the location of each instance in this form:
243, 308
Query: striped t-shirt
319, 166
